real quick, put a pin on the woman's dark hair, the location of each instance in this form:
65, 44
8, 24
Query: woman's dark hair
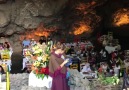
8, 46
2, 70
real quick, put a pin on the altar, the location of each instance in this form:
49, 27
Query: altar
36, 82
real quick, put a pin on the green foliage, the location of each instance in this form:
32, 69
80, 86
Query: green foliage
108, 80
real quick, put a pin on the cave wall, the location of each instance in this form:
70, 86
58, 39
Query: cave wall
18, 16
107, 11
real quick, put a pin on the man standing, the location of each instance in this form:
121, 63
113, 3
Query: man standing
26, 42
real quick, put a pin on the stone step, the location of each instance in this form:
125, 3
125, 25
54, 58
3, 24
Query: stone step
2, 85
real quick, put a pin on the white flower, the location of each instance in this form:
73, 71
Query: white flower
39, 58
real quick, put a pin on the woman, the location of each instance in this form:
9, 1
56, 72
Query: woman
57, 70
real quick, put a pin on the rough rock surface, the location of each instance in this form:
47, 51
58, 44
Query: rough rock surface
18, 15
20, 82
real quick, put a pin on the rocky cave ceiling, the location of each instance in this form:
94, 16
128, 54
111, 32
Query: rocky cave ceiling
32, 18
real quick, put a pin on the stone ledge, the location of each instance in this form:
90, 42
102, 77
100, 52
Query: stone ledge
2, 85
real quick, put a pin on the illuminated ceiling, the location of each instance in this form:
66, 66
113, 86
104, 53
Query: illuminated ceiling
121, 17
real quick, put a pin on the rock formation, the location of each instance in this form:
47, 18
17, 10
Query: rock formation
80, 18
18, 15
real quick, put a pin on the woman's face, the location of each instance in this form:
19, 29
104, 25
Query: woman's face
58, 45
62, 46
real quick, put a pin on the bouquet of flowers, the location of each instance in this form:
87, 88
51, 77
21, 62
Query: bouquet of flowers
40, 65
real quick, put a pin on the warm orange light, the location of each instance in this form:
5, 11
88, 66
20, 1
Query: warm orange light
83, 27
121, 17
35, 34
93, 3
42, 33
84, 6
81, 6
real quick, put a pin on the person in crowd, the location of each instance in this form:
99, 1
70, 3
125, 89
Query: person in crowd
6, 54
86, 69
33, 42
71, 50
114, 61
6, 45
104, 54
87, 72
84, 53
89, 45
105, 42
26, 42
105, 68
26, 51
27, 69
110, 38
77, 50
116, 69
93, 67
1, 50
42, 40
57, 70
1, 70
126, 62
100, 69
126, 79
114, 54
82, 46
91, 59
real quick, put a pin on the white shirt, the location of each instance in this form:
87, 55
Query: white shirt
116, 70
86, 68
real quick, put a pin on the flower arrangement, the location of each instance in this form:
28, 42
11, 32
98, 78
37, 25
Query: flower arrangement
40, 65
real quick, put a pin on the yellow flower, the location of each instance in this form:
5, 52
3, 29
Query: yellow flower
40, 50
44, 59
36, 63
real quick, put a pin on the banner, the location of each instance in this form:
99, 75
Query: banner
5, 55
